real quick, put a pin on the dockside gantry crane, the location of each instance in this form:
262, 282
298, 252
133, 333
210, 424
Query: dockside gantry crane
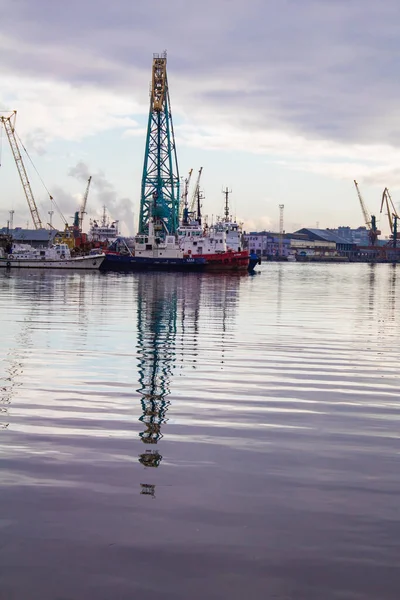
9, 126
370, 220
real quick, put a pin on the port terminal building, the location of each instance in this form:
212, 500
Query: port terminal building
305, 244
38, 238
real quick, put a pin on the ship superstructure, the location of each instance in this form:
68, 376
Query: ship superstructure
105, 231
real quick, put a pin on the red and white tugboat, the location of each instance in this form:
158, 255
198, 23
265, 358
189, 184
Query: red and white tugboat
211, 242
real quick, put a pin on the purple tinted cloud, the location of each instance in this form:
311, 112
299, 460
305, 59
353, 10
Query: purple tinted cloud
325, 69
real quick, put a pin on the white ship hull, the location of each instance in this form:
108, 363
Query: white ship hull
91, 263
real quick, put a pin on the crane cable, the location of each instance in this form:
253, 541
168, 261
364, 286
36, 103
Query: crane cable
43, 183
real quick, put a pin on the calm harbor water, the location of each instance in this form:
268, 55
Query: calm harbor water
184, 436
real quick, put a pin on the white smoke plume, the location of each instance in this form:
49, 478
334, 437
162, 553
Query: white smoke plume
103, 193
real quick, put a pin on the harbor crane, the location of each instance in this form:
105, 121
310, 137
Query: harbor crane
160, 180
82, 210
184, 210
196, 191
391, 214
370, 220
9, 126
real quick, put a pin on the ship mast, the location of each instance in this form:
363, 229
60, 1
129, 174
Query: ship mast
226, 193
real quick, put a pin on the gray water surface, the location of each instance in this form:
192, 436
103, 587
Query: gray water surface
184, 436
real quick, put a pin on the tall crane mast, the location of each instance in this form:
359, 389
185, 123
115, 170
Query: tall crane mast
9, 126
160, 180
84, 203
370, 220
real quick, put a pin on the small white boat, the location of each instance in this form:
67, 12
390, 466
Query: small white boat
53, 257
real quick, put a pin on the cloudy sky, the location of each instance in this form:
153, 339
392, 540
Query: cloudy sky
283, 101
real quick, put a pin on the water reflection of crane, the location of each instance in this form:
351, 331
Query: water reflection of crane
167, 304
157, 326
170, 308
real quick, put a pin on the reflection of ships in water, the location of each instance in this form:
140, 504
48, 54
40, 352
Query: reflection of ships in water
218, 306
169, 310
42, 292
166, 305
15, 358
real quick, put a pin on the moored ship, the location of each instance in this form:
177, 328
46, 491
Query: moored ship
210, 244
220, 245
151, 253
24, 256
105, 232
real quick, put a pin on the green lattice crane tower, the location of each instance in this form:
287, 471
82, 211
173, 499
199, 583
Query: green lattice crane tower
160, 180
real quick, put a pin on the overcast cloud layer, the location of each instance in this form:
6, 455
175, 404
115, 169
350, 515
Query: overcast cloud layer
325, 69
311, 84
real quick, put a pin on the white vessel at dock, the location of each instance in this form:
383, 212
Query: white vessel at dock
232, 229
54, 257
104, 232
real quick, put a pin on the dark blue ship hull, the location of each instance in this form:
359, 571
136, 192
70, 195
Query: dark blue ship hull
118, 262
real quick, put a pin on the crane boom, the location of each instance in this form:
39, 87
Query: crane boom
390, 209
370, 220
367, 216
385, 200
84, 203
10, 131
196, 191
183, 208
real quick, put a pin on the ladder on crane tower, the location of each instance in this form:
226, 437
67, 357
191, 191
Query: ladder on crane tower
10, 131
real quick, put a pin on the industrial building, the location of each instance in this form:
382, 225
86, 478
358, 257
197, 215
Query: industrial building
38, 238
267, 244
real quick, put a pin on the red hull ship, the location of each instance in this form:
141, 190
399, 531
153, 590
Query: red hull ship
211, 244
225, 261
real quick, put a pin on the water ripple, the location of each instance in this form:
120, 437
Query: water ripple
241, 433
